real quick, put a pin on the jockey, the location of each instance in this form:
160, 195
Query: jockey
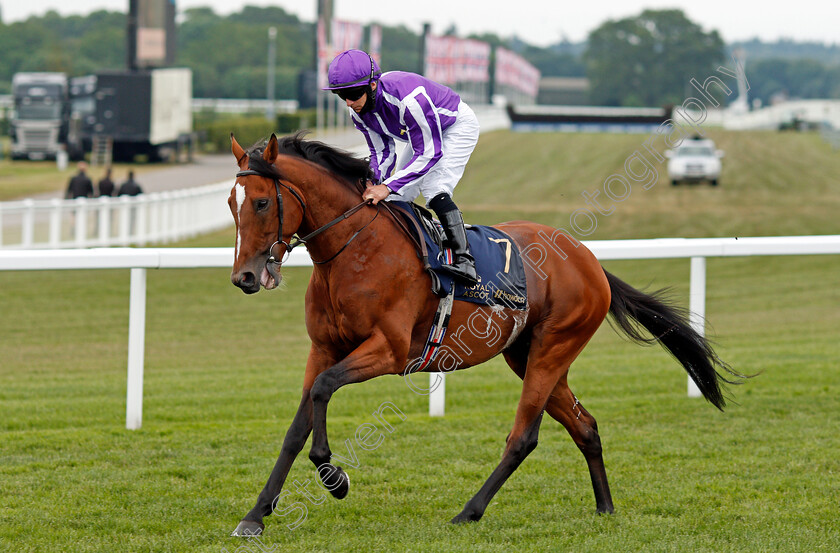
441, 131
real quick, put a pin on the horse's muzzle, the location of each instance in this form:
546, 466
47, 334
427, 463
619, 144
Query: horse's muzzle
246, 281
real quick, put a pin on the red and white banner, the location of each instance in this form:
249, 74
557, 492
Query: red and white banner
323, 54
514, 71
375, 43
451, 60
345, 35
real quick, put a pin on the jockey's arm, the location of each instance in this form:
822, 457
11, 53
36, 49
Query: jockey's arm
382, 149
424, 138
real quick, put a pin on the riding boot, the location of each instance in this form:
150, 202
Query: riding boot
463, 266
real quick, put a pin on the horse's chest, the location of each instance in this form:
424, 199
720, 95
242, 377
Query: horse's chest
344, 334
350, 324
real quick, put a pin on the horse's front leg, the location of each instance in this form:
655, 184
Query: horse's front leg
293, 443
374, 357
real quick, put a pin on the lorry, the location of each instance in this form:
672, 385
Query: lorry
39, 121
147, 112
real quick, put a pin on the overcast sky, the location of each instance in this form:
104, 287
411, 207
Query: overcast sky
540, 22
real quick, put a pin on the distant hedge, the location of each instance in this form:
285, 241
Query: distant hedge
214, 130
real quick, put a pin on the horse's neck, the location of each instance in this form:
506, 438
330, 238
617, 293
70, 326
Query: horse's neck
326, 199
325, 196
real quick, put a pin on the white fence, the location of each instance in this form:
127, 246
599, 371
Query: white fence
825, 112
139, 260
158, 217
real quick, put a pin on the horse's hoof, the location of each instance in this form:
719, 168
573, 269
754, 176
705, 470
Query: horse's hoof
467, 515
248, 529
336, 480
343, 487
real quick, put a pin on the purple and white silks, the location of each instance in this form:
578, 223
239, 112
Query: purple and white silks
408, 108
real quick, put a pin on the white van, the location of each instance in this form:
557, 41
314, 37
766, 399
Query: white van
695, 160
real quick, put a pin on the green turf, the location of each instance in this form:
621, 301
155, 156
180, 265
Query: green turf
771, 183
223, 374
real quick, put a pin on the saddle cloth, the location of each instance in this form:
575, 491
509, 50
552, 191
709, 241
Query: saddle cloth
501, 273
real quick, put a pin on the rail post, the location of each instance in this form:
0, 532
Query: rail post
55, 223
437, 399
27, 231
125, 221
104, 220
141, 217
81, 223
697, 306
136, 348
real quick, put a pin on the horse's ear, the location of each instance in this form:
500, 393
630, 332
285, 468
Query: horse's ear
238, 153
271, 149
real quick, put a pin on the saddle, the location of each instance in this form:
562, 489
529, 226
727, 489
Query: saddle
501, 273
431, 225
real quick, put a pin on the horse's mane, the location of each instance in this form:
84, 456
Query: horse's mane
343, 164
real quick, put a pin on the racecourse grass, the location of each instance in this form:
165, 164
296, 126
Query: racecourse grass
223, 373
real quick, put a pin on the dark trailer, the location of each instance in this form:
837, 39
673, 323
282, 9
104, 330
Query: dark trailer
140, 112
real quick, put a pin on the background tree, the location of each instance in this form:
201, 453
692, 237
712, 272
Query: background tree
643, 60
228, 54
649, 59
792, 78
400, 49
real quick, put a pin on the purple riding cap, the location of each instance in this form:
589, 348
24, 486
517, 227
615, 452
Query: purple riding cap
351, 69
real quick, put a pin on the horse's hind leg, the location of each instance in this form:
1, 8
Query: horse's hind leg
548, 360
521, 441
564, 407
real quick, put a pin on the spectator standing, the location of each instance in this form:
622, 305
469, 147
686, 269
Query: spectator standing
80, 186
106, 185
130, 187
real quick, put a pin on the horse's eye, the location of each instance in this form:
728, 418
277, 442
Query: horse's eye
261, 204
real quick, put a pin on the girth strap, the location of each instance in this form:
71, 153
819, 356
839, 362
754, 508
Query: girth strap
435, 340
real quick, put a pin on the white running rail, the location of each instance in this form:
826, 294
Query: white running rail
141, 259
158, 217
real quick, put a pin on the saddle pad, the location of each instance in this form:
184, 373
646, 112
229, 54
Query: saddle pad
501, 273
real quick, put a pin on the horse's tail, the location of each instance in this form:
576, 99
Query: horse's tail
669, 326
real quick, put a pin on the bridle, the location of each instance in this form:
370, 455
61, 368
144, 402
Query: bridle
277, 185
297, 241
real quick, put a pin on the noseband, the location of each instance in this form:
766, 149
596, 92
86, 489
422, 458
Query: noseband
298, 241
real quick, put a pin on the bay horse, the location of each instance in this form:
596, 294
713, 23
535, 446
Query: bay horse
369, 309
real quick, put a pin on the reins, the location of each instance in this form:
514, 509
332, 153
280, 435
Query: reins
345, 215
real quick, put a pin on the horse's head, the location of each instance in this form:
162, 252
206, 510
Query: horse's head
267, 212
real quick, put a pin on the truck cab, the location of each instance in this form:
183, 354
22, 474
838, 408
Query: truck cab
38, 125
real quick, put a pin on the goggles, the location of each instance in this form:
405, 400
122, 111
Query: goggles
351, 94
